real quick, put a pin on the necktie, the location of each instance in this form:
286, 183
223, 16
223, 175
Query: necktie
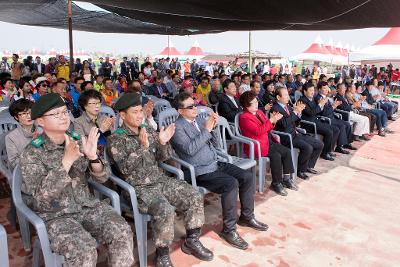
287, 110
195, 125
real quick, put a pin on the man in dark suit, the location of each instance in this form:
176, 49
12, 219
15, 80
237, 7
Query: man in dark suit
228, 105
255, 87
39, 67
159, 89
345, 133
192, 141
125, 68
310, 147
312, 109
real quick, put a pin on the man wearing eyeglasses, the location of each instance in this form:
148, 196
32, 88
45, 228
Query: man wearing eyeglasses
193, 142
56, 167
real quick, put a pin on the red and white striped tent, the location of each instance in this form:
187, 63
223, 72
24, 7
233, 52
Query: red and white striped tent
169, 51
315, 52
195, 52
384, 51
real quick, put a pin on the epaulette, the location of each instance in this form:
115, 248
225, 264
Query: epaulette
37, 142
74, 135
120, 131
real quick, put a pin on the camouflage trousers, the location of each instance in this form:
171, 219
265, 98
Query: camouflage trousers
75, 236
161, 201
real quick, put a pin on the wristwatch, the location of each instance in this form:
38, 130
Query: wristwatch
95, 160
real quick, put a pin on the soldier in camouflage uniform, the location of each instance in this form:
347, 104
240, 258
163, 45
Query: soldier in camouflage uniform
56, 168
135, 152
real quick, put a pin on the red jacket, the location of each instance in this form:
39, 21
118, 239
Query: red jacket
252, 127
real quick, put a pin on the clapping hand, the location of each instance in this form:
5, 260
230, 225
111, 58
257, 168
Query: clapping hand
268, 106
107, 124
148, 109
144, 138
299, 107
166, 133
323, 101
275, 117
89, 144
71, 152
211, 122
336, 103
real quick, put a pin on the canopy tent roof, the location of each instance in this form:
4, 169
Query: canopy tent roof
240, 15
195, 50
315, 52
385, 49
53, 13
184, 17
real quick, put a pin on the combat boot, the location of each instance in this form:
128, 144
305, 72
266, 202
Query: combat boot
162, 257
193, 246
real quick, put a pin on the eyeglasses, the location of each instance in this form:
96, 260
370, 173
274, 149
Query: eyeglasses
58, 114
95, 104
43, 85
24, 114
190, 107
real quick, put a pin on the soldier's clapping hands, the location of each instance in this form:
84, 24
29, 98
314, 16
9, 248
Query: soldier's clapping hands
89, 144
166, 134
71, 152
144, 137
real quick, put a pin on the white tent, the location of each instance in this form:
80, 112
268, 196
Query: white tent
384, 51
195, 52
169, 51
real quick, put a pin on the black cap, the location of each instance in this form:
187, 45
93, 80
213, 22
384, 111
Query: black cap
45, 103
127, 100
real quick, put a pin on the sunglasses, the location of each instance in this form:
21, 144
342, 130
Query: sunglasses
44, 85
190, 107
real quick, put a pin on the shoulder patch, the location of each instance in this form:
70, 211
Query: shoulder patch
75, 135
37, 142
120, 131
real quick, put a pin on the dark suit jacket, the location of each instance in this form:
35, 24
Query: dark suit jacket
327, 111
125, 69
227, 109
35, 68
311, 110
153, 90
345, 104
288, 122
370, 100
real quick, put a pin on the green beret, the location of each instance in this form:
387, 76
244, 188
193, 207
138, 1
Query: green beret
128, 100
45, 103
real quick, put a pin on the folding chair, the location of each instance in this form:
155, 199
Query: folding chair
3, 247
106, 110
51, 259
160, 105
167, 117
7, 125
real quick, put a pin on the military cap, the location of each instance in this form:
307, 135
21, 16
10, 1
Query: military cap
127, 100
45, 103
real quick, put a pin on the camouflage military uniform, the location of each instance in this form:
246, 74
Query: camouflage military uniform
158, 194
74, 218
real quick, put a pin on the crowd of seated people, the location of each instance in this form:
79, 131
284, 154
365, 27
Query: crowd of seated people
321, 117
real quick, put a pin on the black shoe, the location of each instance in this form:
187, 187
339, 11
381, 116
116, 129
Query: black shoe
382, 133
333, 155
356, 138
193, 246
341, 150
253, 223
163, 261
349, 146
289, 184
303, 175
234, 239
279, 189
311, 170
327, 157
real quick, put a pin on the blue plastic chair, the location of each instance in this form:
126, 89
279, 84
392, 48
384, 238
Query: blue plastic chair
51, 259
3, 247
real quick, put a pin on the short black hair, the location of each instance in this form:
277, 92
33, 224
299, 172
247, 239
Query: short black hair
180, 98
83, 99
321, 84
307, 86
226, 83
84, 84
246, 98
4, 81
19, 105
78, 79
253, 82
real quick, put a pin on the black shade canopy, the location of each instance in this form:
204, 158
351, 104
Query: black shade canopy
184, 17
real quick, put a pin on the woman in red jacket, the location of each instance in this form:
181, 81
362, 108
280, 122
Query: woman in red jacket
255, 125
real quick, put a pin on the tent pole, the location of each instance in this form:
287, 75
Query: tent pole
250, 67
168, 46
71, 43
